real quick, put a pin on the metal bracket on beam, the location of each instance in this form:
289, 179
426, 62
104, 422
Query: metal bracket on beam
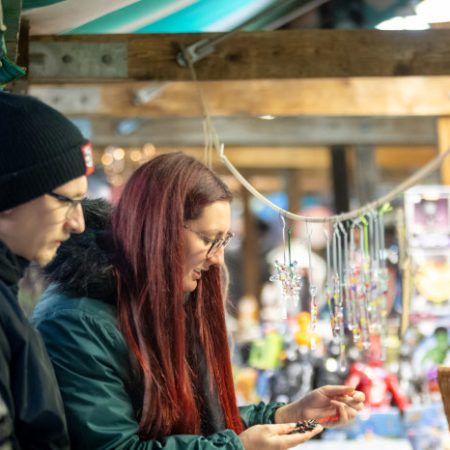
201, 49
81, 60
195, 52
76, 100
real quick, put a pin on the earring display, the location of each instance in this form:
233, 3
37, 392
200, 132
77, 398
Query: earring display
286, 274
356, 284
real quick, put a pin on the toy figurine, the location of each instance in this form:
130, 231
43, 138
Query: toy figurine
378, 385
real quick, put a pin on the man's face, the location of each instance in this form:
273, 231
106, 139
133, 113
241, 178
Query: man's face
35, 230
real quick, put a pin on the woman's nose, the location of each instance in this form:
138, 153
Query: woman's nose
218, 257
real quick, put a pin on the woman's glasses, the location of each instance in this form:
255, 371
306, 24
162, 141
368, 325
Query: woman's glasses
214, 244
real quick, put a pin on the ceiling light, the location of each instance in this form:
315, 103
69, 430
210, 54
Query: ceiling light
404, 23
433, 11
118, 154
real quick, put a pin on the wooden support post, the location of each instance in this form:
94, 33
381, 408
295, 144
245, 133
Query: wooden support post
366, 174
443, 131
340, 179
293, 190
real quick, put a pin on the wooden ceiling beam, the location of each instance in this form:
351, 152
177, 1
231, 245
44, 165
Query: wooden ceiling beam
267, 157
403, 96
316, 160
279, 54
392, 157
283, 131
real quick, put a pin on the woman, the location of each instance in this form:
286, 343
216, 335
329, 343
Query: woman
134, 325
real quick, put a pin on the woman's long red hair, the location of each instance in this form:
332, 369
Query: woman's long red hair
147, 227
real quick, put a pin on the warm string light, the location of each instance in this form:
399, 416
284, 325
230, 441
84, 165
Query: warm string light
119, 164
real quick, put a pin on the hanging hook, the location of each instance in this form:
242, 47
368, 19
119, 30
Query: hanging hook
283, 222
309, 234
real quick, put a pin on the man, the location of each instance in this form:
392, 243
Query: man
44, 161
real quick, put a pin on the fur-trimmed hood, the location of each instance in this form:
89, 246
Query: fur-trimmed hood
82, 266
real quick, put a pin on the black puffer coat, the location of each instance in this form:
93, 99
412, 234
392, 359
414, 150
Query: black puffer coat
28, 385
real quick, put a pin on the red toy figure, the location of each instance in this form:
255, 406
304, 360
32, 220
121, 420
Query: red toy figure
380, 387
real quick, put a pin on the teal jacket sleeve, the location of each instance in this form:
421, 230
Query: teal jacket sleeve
91, 364
259, 414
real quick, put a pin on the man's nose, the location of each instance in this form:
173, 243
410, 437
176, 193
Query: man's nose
75, 221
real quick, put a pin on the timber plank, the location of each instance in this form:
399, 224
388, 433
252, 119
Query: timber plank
276, 54
400, 96
283, 131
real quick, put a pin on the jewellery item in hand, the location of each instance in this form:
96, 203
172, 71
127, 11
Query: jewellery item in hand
303, 426
328, 419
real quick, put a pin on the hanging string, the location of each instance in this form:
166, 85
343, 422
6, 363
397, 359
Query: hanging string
411, 181
212, 140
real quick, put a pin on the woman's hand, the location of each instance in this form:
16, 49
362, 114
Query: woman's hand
275, 437
331, 405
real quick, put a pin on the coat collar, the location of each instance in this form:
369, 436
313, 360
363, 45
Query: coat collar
12, 267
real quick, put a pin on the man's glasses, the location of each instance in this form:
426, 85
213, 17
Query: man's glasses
71, 203
213, 244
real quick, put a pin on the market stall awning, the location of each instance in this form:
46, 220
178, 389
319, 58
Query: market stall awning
186, 16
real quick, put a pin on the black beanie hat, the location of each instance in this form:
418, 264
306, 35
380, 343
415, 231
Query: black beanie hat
40, 149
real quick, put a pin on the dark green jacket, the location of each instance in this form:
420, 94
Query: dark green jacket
91, 361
